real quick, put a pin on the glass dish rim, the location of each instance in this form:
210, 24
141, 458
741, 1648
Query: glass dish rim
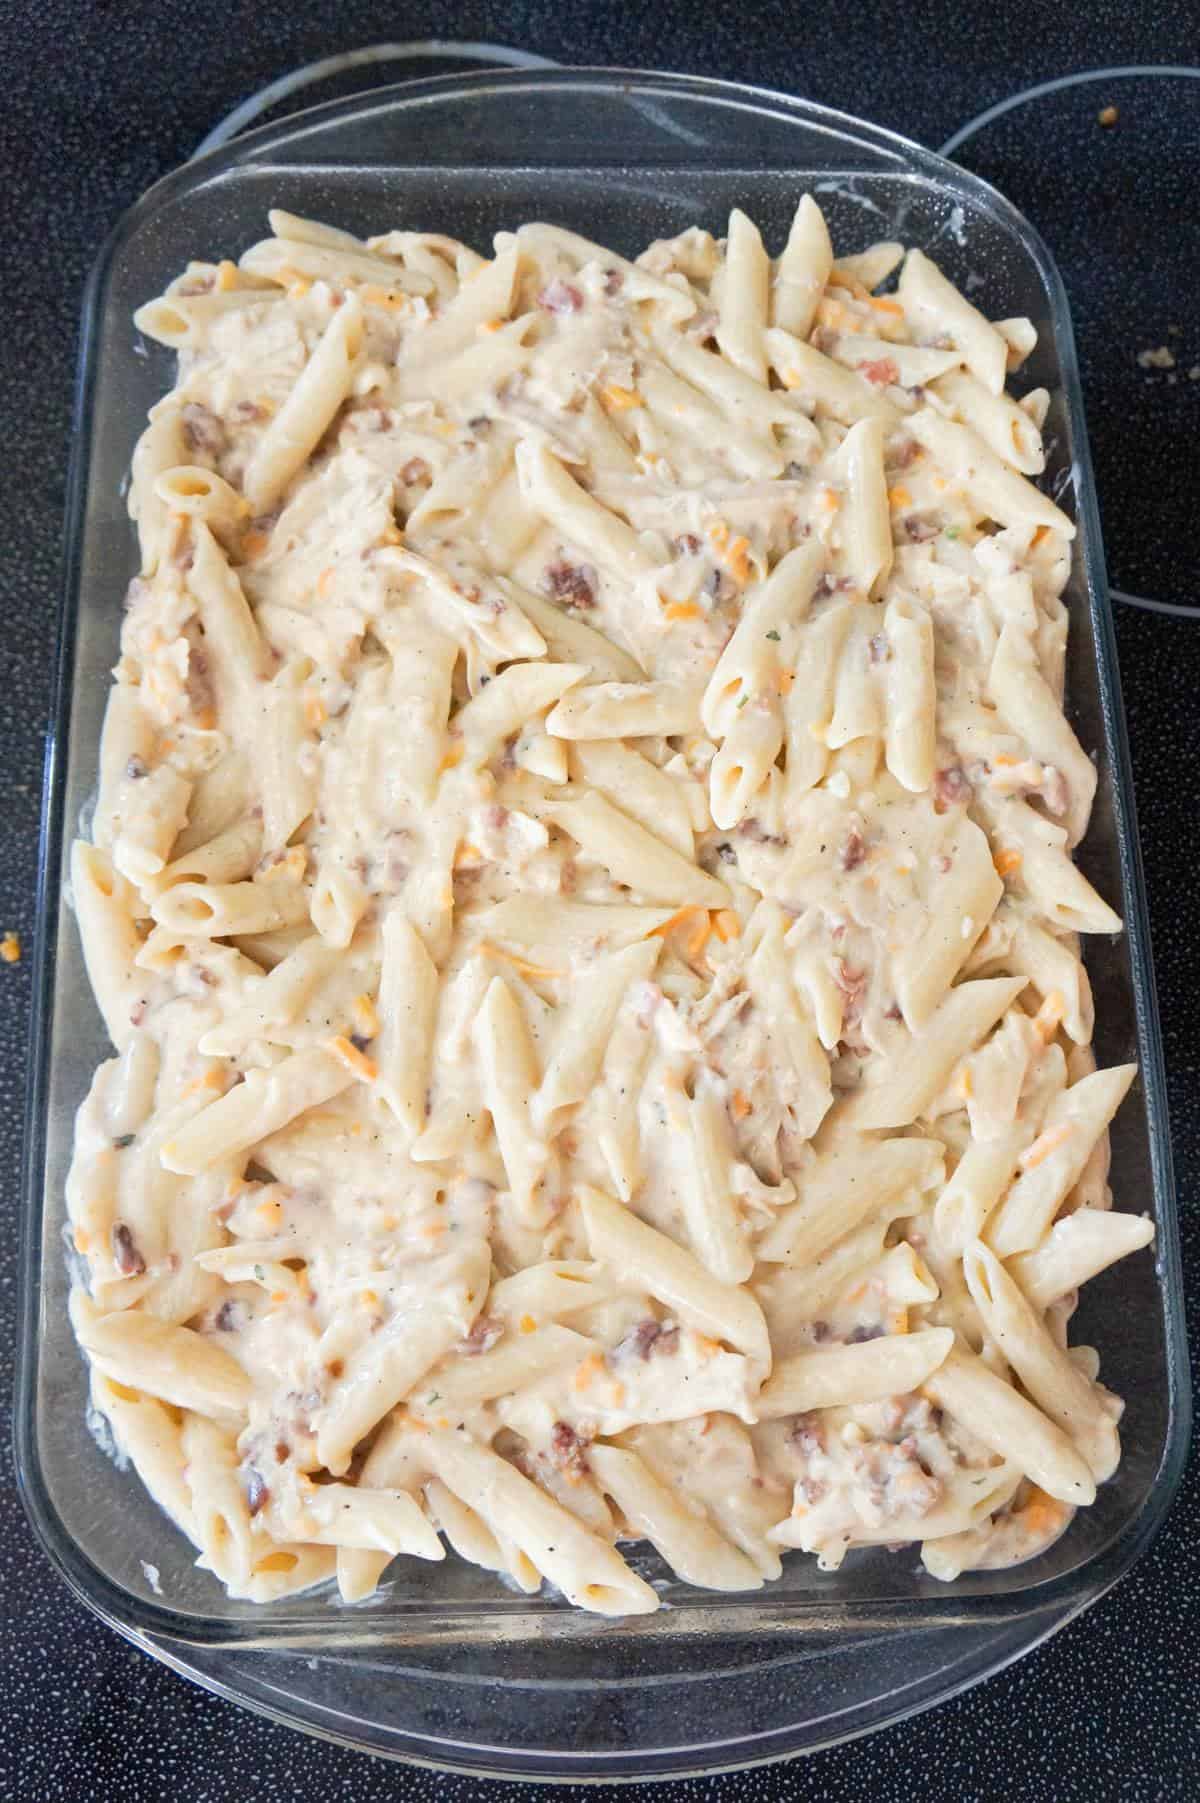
141, 1620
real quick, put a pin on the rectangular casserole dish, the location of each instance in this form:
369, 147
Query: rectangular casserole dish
623, 159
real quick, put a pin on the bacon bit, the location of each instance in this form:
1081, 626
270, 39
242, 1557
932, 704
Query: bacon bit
126, 1257
485, 1331
10, 948
808, 1434
854, 850
883, 303
315, 711
619, 400
681, 610
527, 1324
1049, 1016
740, 1106
1044, 1145
254, 543
325, 583
569, 1452
899, 496
588, 1371
879, 370
950, 787
364, 1068
1008, 861
560, 297
365, 1017
726, 925
1039, 537
521, 965
572, 584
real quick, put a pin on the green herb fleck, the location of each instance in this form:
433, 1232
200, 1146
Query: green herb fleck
773, 635
951, 532
742, 700
260, 1274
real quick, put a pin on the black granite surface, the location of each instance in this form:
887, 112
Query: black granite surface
98, 100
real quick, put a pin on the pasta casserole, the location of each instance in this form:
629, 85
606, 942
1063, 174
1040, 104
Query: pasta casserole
581, 894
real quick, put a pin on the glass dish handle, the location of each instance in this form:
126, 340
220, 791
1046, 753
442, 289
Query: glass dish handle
419, 50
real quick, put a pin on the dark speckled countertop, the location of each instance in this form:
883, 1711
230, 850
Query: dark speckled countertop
98, 101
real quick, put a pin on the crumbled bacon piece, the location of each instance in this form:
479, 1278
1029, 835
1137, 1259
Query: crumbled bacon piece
649, 1336
569, 1450
560, 297
571, 583
950, 787
901, 455
414, 471
614, 281
853, 851
754, 830
485, 1331
808, 1434
126, 1257
202, 429
920, 528
687, 545
879, 370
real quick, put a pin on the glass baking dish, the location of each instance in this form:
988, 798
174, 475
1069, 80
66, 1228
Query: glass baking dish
444, 1666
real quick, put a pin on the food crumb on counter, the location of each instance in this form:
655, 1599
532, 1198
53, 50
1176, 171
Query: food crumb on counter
1108, 115
10, 948
1157, 358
